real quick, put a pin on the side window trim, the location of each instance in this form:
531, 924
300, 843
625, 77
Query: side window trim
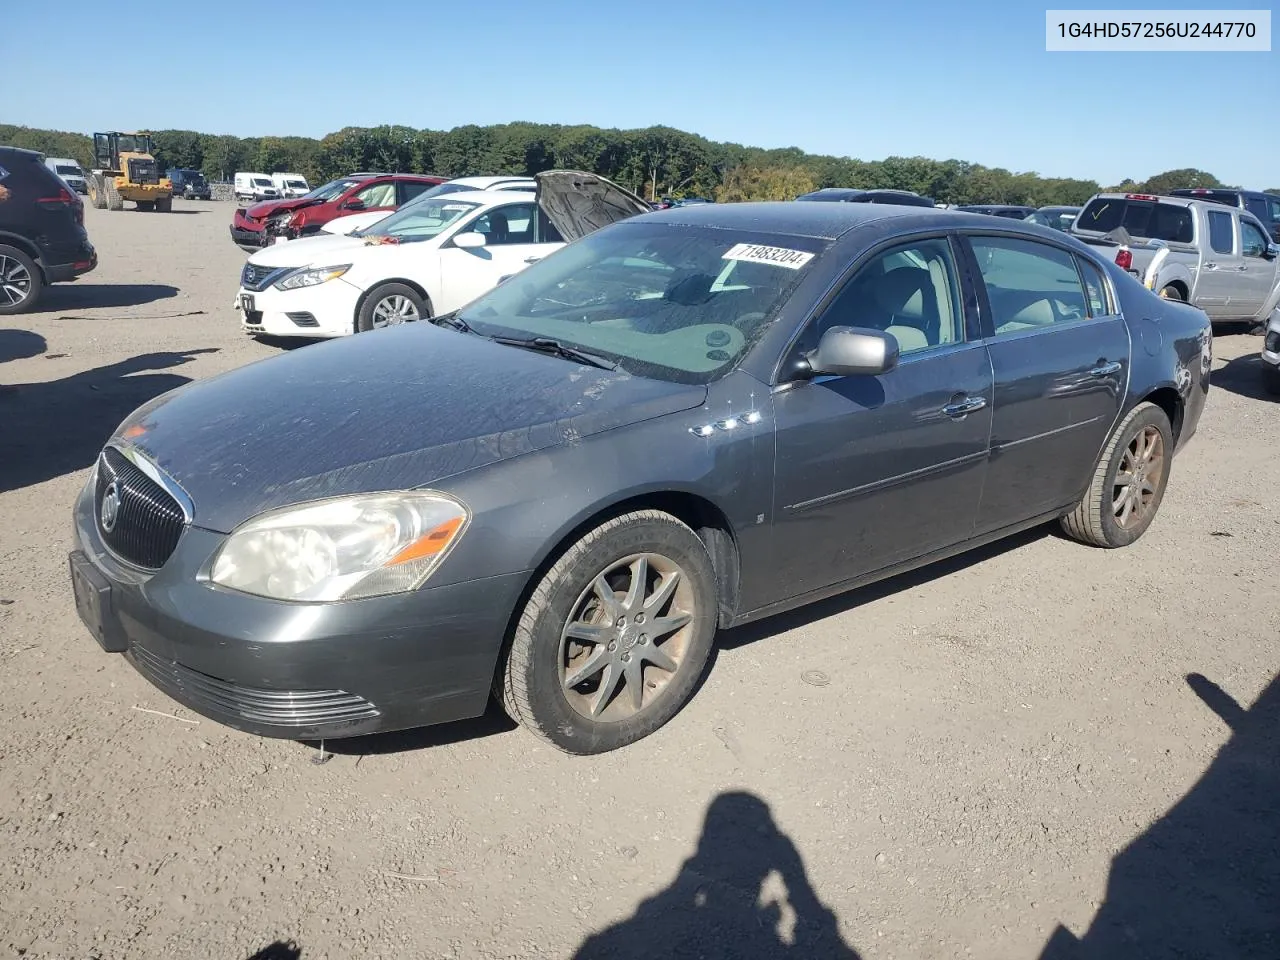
1108, 294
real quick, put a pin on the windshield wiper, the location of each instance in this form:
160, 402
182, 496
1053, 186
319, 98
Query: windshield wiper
453, 320
548, 345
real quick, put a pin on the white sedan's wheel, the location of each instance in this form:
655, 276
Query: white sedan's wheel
391, 305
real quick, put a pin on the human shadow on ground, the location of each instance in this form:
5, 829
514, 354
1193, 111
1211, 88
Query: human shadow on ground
743, 894
92, 296
1243, 376
1204, 880
280, 950
56, 427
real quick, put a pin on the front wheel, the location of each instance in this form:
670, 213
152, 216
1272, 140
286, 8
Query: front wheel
1128, 483
1271, 379
1172, 293
389, 306
614, 637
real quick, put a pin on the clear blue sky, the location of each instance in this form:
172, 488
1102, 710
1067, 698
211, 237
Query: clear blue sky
940, 79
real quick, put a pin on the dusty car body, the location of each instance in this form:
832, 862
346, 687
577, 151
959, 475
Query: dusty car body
686, 420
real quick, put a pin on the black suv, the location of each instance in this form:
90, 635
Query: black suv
42, 235
1264, 206
190, 184
902, 198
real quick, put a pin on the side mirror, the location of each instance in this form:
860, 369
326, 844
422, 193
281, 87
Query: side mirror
469, 241
355, 203
853, 352
1272, 251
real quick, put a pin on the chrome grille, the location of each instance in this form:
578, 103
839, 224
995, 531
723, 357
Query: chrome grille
256, 277
146, 522
282, 708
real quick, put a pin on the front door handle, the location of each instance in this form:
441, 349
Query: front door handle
965, 406
532, 259
1105, 369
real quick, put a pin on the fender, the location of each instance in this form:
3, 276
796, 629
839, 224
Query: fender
23, 244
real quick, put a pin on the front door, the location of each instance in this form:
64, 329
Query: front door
1257, 271
1060, 356
512, 242
874, 470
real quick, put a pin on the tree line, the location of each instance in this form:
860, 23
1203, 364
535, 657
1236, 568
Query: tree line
654, 162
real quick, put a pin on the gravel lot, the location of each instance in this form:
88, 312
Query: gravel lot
941, 766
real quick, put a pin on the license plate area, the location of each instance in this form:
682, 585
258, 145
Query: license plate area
93, 603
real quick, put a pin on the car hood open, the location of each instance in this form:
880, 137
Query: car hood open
579, 203
386, 410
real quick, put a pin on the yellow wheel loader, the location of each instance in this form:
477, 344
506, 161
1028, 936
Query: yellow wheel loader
125, 169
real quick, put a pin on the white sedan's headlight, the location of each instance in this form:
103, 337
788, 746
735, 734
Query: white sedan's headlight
360, 546
311, 276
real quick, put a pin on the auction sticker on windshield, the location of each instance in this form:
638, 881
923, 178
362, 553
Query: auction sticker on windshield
778, 256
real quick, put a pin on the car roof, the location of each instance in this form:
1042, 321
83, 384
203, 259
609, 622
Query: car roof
484, 197
1161, 197
482, 182
21, 152
825, 221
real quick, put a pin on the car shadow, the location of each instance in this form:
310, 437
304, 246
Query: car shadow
492, 722
1204, 880
749, 633
56, 427
288, 343
1243, 376
744, 893
88, 296
280, 950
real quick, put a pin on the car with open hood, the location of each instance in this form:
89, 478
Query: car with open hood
431, 256
681, 421
259, 225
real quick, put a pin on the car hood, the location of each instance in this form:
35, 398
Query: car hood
579, 203
390, 409
307, 250
342, 226
266, 208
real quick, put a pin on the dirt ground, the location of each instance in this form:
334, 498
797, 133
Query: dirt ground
1039, 751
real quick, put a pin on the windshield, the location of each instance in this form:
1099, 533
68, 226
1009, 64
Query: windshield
421, 220
134, 143
64, 170
297, 184
330, 189
261, 182
674, 303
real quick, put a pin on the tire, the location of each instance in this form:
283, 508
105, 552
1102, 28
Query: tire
21, 281
164, 205
1271, 379
1097, 520
1172, 293
599, 713
98, 193
147, 204
391, 305
114, 200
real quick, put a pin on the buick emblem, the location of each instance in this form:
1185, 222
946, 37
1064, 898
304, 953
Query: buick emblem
110, 509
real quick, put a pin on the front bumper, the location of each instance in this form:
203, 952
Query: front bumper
245, 237
325, 310
293, 670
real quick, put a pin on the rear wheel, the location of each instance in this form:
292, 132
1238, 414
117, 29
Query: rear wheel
164, 204
146, 204
21, 281
1173, 293
615, 636
1129, 482
391, 305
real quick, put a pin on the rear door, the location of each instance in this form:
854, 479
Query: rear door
1257, 270
1060, 361
1219, 280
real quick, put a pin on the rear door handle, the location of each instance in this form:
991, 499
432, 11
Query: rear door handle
1211, 266
962, 407
1105, 369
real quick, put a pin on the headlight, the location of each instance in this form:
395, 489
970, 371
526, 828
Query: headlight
310, 277
342, 549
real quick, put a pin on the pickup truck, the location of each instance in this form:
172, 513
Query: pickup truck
1214, 257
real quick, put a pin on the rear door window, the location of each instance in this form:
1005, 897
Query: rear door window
1221, 233
1095, 288
1029, 284
1253, 243
1147, 219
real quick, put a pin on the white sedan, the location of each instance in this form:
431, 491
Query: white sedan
359, 221
429, 258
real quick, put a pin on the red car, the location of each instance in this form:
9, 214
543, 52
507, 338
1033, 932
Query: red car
303, 216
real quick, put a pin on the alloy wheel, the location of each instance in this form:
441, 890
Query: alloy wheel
394, 310
626, 637
15, 281
1139, 477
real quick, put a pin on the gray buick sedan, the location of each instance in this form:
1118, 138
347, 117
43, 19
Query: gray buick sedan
681, 422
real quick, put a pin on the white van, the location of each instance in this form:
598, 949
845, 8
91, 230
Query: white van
255, 186
70, 172
291, 185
